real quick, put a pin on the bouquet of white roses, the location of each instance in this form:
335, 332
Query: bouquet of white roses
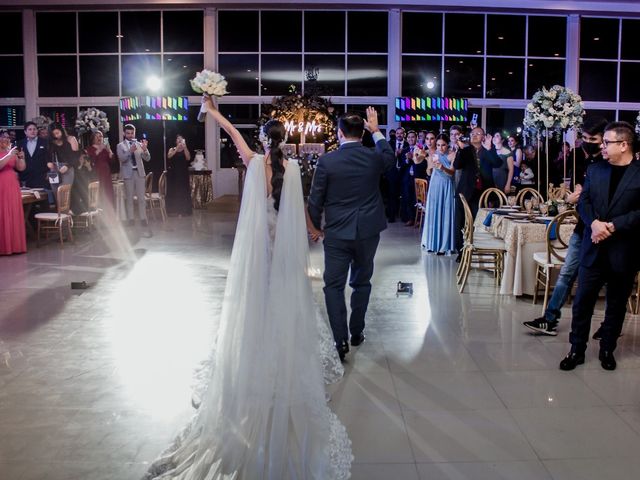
209, 83
557, 108
92, 120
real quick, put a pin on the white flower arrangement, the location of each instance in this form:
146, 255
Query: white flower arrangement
92, 120
638, 124
42, 121
557, 108
209, 83
268, 142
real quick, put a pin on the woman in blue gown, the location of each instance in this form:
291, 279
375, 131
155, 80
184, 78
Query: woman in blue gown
439, 231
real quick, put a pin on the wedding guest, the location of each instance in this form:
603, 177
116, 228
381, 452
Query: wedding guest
430, 150
394, 175
84, 175
609, 255
408, 192
12, 138
557, 169
132, 154
12, 228
474, 166
178, 186
43, 133
503, 174
63, 157
439, 232
547, 324
525, 176
422, 138
514, 145
35, 155
420, 164
101, 157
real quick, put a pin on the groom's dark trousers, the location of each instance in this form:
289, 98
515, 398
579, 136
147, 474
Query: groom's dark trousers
346, 188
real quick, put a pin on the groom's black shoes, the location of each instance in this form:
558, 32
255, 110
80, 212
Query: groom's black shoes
571, 361
343, 349
357, 339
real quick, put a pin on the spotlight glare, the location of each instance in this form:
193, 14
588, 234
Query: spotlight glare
154, 83
430, 85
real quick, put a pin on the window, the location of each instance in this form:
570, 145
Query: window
629, 47
99, 76
241, 113
11, 33
98, 32
629, 74
598, 80
281, 31
367, 75
140, 31
241, 72
463, 77
178, 70
544, 73
505, 78
238, 31
421, 32
331, 73
421, 76
56, 32
229, 156
599, 37
183, 31
136, 69
547, 36
281, 74
505, 35
57, 76
66, 116
506, 120
12, 80
360, 26
464, 33
316, 38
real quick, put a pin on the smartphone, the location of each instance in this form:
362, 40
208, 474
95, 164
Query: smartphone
144, 136
474, 120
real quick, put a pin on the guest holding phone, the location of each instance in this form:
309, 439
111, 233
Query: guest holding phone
13, 237
178, 187
101, 156
64, 153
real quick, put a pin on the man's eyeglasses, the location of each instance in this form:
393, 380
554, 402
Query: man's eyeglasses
606, 143
476, 134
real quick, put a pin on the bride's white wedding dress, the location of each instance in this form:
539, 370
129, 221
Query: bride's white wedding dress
263, 415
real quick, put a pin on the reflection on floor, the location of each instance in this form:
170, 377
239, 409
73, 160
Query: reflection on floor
94, 383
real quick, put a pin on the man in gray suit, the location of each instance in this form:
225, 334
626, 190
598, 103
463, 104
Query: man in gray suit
346, 188
132, 155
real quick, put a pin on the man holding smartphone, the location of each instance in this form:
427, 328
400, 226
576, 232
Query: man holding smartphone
132, 154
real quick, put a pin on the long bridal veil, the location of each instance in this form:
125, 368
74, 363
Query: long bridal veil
264, 415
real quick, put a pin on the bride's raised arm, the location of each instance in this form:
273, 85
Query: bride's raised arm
245, 152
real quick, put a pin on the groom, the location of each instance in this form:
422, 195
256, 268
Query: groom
346, 187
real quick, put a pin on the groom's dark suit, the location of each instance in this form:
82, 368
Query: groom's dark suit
346, 187
614, 261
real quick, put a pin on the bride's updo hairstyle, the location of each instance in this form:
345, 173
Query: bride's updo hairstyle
275, 133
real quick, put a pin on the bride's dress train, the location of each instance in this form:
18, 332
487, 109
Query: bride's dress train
263, 415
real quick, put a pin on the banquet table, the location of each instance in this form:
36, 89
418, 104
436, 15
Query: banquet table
201, 188
522, 239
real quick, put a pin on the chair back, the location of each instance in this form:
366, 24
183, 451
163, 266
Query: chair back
467, 230
526, 193
556, 246
162, 184
484, 198
557, 193
63, 199
148, 183
421, 190
94, 193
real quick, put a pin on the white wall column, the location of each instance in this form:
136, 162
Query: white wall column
30, 63
572, 71
394, 67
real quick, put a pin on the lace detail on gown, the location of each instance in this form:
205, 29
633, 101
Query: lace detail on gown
263, 414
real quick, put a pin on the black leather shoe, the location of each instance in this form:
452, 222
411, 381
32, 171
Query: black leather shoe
607, 360
571, 361
357, 339
343, 349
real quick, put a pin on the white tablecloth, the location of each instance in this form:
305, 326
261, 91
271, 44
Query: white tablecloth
522, 240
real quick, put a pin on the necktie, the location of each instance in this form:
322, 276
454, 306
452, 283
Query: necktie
134, 163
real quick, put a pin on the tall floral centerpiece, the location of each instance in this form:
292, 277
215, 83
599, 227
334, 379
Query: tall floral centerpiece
90, 121
553, 110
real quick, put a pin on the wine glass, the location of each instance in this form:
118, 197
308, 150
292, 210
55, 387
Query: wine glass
544, 209
528, 205
562, 207
511, 200
535, 201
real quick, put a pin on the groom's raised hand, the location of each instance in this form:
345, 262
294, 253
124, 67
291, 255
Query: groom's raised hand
371, 123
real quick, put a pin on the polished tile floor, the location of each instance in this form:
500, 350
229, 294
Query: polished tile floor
94, 383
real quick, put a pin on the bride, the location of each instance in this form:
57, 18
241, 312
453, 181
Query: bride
263, 414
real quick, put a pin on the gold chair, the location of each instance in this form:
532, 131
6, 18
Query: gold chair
58, 220
157, 200
557, 193
484, 198
421, 186
483, 251
526, 193
87, 219
553, 257
148, 190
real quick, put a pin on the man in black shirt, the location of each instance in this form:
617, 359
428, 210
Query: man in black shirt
610, 208
547, 324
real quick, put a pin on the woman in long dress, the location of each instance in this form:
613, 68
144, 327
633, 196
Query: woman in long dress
439, 230
503, 175
12, 229
101, 158
178, 189
264, 414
